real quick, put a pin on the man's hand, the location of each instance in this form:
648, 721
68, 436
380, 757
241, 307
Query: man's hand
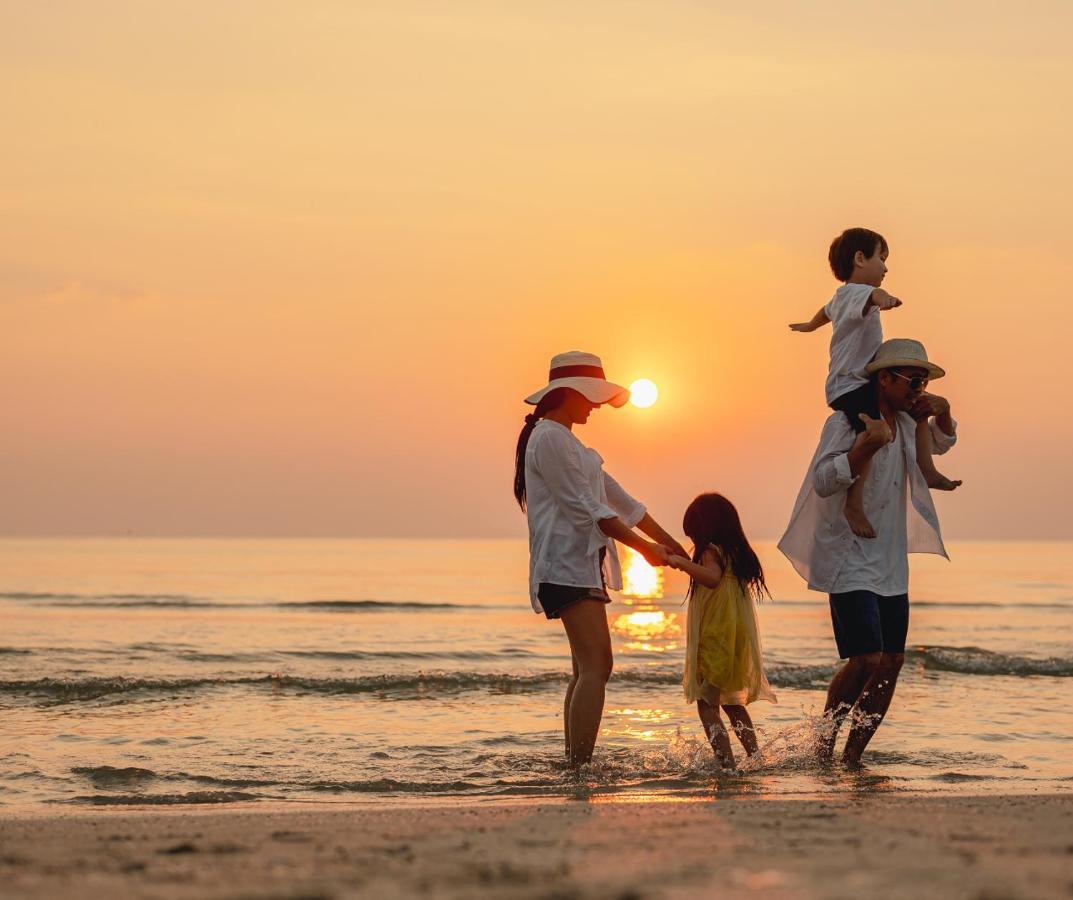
881, 300
803, 326
876, 431
928, 405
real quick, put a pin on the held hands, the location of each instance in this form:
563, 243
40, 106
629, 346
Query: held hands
876, 431
656, 554
678, 561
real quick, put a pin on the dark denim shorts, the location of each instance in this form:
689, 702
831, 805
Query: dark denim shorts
557, 597
865, 622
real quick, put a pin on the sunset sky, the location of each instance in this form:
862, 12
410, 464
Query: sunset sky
275, 268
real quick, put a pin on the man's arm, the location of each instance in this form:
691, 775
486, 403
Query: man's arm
842, 456
943, 427
876, 434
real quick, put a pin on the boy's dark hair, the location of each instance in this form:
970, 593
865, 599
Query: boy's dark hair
845, 246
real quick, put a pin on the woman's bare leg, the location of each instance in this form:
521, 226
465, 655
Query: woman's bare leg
590, 645
742, 726
566, 704
717, 734
934, 478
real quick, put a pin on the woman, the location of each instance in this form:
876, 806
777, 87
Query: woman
576, 512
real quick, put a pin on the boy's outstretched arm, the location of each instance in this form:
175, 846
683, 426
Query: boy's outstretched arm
817, 321
881, 300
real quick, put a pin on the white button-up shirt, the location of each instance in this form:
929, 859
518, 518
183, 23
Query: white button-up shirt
897, 501
567, 493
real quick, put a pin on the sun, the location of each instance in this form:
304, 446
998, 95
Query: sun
643, 393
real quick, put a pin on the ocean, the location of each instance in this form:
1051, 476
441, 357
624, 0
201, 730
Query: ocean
146, 671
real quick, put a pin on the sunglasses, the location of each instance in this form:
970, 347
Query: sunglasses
916, 382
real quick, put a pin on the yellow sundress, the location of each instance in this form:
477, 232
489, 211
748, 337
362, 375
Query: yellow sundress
724, 658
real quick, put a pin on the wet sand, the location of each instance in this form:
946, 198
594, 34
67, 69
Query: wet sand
857, 846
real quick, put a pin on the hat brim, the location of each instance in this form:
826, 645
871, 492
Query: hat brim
595, 390
933, 370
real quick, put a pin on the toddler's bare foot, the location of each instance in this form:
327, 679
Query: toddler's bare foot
939, 482
858, 522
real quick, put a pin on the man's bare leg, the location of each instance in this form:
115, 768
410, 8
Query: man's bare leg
872, 706
854, 508
934, 478
842, 694
717, 734
742, 726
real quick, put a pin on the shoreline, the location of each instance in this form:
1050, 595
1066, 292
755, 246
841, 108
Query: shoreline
889, 845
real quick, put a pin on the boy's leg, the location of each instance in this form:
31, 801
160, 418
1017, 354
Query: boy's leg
935, 479
717, 734
743, 728
854, 508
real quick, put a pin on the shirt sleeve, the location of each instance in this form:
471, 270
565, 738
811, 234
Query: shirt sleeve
847, 306
626, 508
831, 472
940, 440
559, 464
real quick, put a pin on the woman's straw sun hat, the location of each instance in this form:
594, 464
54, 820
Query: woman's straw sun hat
903, 352
585, 374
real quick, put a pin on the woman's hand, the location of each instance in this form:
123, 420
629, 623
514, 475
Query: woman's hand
655, 554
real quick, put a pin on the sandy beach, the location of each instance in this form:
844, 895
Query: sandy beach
880, 846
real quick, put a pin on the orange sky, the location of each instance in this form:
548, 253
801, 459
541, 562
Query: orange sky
276, 268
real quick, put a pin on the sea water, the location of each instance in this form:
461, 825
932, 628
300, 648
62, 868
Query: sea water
176, 671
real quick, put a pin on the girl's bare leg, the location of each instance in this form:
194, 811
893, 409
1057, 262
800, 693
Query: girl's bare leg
935, 479
590, 645
854, 508
717, 734
742, 726
566, 705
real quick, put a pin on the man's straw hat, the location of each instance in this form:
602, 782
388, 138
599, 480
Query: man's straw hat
899, 352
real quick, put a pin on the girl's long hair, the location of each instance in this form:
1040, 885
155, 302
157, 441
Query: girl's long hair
547, 403
712, 519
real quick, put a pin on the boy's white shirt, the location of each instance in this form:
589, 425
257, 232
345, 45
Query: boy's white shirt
818, 541
856, 335
567, 493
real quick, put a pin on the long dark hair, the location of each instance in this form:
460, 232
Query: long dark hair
547, 403
712, 519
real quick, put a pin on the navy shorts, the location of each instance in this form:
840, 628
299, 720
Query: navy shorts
865, 622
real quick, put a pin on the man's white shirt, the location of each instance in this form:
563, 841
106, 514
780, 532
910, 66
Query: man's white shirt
897, 501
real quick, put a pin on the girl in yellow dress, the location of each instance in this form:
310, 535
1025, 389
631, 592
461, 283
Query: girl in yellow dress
724, 661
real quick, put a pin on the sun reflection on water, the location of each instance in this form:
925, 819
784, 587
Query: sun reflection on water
648, 630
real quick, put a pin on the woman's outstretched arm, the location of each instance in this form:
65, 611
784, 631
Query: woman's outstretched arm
657, 532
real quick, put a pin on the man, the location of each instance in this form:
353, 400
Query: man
867, 579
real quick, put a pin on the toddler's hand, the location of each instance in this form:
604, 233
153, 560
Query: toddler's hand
882, 300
